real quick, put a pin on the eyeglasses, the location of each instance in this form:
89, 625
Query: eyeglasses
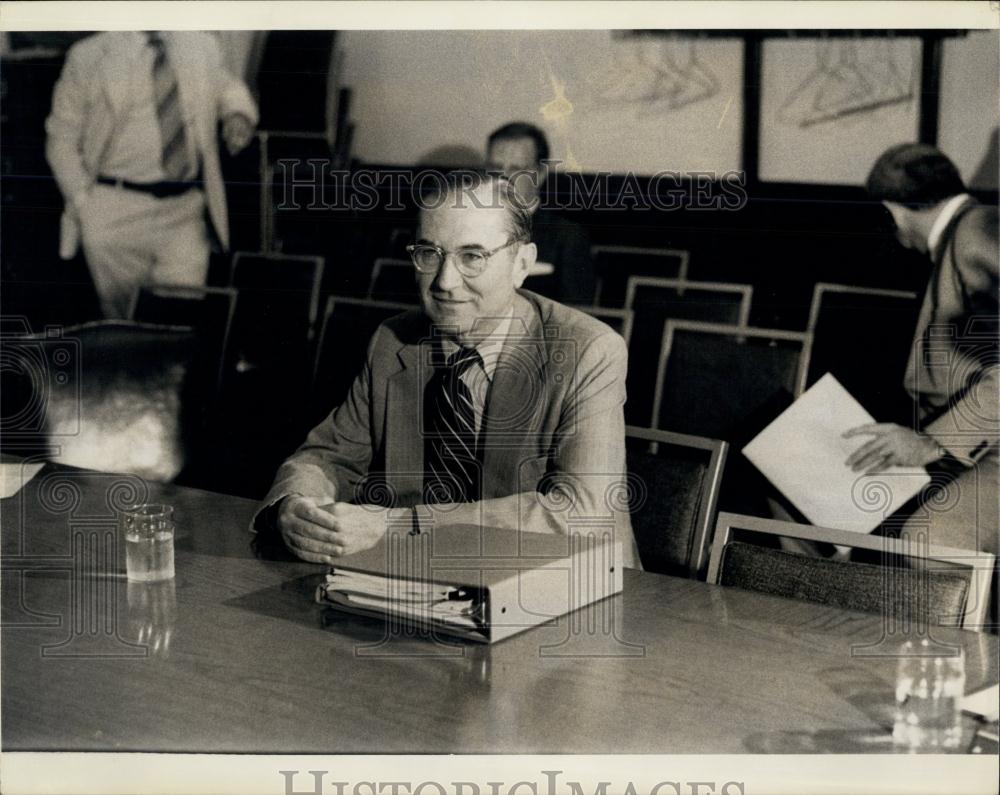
471, 262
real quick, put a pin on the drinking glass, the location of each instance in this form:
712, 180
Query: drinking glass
929, 690
149, 542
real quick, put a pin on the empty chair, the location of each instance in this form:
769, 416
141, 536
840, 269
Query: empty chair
653, 301
276, 316
348, 325
110, 395
208, 311
724, 382
619, 319
615, 264
393, 280
915, 584
399, 238
674, 483
863, 336
272, 341
679, 299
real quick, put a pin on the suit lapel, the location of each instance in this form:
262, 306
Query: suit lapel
515, 398
931, 363
404, 444
117, 69
185, 61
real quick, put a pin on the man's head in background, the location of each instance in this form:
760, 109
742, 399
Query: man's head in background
912, 181
517, 151
473, 251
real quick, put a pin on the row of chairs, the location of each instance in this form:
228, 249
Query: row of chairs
697, 367
675, 482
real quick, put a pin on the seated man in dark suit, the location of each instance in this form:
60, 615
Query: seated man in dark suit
564, 270
488, 406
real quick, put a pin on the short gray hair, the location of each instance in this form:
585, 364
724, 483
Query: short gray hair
466, 182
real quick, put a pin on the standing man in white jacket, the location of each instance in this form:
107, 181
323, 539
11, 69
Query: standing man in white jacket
132, 141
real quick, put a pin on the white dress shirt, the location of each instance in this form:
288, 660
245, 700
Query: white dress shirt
479, 377
134, 152
951, 206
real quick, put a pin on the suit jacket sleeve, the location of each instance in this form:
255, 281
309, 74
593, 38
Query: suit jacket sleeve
585, 476
232, 94
335, 454
65, 125
968, 430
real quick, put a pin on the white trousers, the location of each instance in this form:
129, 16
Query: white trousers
132, 239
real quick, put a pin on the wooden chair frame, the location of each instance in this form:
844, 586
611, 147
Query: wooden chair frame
711, 486
980, 564
190, 291
316, 261
745, 291
666, 345
639, 251
821, 289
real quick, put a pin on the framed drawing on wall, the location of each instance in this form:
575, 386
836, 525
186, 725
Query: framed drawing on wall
831, 105
639, 102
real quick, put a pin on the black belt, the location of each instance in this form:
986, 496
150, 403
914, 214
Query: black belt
161, 190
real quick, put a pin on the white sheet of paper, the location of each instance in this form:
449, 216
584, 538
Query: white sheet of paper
985, 702
14, 476
803, 453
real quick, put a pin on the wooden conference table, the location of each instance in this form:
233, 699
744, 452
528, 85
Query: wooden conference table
235, 655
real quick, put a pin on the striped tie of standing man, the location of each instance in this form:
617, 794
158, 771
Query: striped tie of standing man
166, 96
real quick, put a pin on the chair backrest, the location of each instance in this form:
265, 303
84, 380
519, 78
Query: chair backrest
399, 238
278, 307
724, 382
653, 301
843, 322
348, 325
674, 488
615, 264
933, 584
208, 311
122, 407
619, 319
680, 299
393, 280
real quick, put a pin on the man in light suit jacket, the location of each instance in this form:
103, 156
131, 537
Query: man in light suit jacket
132, 142
953, 373
489, 406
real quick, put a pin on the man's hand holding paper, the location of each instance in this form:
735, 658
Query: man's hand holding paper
806, 454
890, 445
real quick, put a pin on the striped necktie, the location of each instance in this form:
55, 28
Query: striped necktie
451, 468
174, 154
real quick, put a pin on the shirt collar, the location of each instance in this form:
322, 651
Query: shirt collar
951, 206
488, 347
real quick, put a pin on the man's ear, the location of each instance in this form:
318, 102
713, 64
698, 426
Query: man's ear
543, 173
527, 253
